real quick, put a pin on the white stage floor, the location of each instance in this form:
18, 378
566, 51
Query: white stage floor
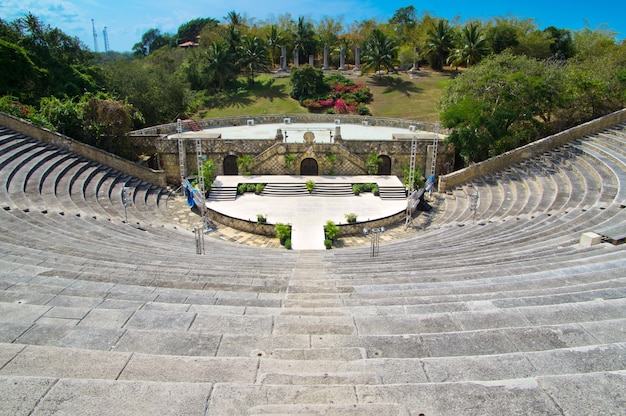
308, 214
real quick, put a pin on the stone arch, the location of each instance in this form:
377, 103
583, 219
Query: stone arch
309, 167
230, 165
384, 165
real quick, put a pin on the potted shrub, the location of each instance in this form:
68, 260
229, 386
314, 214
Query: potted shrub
261, 218
331, 230
310, 185
351, 217
283, 232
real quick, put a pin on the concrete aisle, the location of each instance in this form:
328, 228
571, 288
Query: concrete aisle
307, 237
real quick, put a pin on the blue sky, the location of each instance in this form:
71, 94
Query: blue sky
127, 20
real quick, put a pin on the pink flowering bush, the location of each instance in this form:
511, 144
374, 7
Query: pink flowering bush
344, 97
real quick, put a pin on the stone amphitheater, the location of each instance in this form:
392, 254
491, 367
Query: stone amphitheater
500, 312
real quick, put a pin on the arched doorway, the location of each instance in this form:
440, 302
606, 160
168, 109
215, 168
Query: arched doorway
308, 167
384, 165
230, 165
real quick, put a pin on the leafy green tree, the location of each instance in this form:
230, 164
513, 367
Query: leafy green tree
188, 32
502, 36
328, 30
404, 20
66, 115
61, 65
157, 93
380, 52
562, 46
590, 43
151, 40
106, 123
439, 43
473, 46
597, 84
307, 82
19, 76
502, 103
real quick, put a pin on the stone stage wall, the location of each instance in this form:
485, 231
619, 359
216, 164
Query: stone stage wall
269, 154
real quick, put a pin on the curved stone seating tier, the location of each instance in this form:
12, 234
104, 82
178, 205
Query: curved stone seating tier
501, 309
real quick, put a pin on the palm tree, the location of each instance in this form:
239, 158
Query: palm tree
380, 51
439, 43
220, 67
304, 38
275, 39
234, 19
253, 55
472, 48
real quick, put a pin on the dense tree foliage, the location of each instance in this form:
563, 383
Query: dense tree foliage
509, 100
37, 61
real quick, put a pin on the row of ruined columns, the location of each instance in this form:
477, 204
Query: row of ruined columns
342, 59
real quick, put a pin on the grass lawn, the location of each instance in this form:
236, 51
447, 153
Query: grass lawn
400, 96
396, 95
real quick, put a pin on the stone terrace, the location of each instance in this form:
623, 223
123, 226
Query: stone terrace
497, 312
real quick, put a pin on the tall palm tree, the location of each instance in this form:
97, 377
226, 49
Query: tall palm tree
220, 68
234, 19
473, 46
275, 39
380, 51
304, 38
439, 43
253, 55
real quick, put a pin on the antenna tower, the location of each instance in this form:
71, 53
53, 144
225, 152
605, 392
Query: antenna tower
95, 36
106, 39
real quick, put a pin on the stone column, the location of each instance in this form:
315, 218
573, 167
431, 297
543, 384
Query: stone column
311, 60
357, 59
296, 57
283, 58
342, 60
326, 67
279, 135
337, 137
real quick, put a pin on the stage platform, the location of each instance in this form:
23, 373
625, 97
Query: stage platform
307, 214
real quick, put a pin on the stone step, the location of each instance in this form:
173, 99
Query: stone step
357, 409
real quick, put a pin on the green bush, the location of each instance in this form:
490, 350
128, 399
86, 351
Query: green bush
241, 188
261, 218
328, 244
363, 110
357, 188
250, 187
351, 217
259, 188
288, 244
283, 232
331, 230
310, 185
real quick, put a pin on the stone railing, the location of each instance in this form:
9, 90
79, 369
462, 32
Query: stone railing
26, 128
291, 119
528, 151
